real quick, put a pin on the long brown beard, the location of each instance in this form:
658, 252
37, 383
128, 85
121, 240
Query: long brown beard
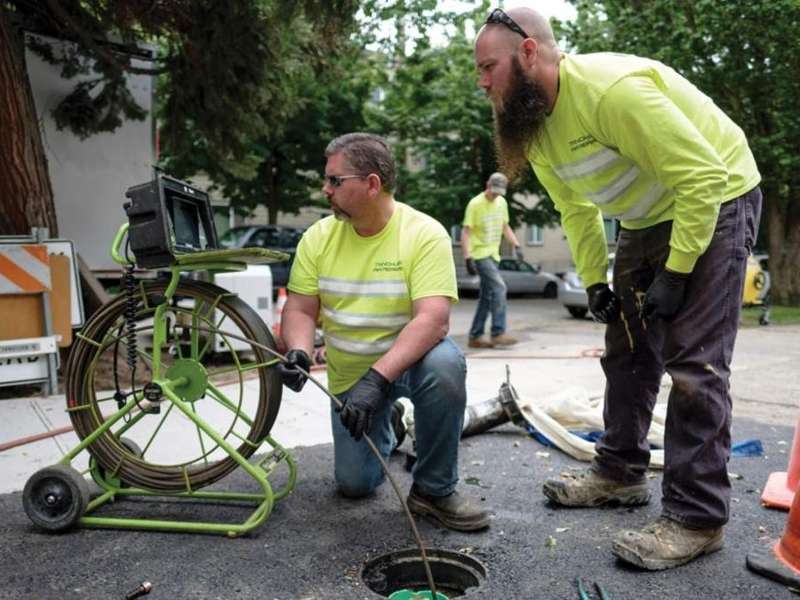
518, 121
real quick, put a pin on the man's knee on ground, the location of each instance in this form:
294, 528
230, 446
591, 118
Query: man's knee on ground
357, 480
354, 484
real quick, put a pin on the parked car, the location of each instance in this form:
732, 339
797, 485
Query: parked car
275, 237
756, 286
520, 277
572, 293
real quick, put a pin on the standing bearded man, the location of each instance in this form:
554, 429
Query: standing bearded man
629, 138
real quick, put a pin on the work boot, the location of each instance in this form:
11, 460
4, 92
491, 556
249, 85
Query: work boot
503, 340
453, 511
399, 427
587, 488
479, 343
665, 544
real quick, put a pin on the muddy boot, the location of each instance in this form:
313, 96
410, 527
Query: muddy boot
453, 511
665, 544
587, 488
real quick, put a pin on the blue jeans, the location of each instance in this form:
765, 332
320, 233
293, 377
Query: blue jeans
492, 299
436, 387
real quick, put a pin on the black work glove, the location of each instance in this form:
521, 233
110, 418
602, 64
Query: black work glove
518, 254
471, 268
603, 303
363, 400
290, 375
665, 295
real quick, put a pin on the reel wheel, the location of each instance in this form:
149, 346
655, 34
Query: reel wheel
238, 397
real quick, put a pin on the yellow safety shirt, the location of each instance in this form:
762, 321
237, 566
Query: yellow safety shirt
485, 219
367, 285
630, 138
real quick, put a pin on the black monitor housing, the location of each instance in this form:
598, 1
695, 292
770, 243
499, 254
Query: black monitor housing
168, 218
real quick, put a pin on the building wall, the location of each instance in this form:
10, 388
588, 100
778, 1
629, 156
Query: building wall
552, 253
90, 176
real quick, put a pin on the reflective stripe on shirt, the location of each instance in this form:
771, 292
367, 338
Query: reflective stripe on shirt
349, 287
359, 346
615, 189
586, 166
369, 320
645, 203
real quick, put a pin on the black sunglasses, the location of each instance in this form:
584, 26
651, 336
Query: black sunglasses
337, 180
497, 16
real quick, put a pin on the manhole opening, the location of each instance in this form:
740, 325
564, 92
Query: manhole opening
454, 573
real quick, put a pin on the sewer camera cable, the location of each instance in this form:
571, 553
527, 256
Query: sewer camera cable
366, 438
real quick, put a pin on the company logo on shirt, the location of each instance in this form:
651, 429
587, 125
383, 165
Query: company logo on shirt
384, 266
581, 142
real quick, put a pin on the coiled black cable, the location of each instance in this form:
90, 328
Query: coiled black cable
129, 284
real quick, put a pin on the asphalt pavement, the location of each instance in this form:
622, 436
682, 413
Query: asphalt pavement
315, 543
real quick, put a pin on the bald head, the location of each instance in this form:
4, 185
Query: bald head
518, 64
530, 21
534, 24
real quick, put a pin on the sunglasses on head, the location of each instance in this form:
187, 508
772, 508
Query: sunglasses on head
337, 180
497, 16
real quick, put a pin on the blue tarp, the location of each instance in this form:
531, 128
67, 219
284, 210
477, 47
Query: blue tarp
745, 448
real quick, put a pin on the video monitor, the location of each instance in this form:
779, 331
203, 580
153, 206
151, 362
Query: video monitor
188, 232
168, 217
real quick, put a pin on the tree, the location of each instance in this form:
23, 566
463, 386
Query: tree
442, 123
281, 168
221, 68
744, 55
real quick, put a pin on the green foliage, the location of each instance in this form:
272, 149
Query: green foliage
778, 315
746, 57
281, 167
441, 126
224, 66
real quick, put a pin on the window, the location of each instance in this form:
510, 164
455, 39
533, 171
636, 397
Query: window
535, 235
611, 227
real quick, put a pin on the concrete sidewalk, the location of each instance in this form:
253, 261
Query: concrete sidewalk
304, 419
550, 357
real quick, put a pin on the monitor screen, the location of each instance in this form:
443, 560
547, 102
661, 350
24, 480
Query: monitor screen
187, 225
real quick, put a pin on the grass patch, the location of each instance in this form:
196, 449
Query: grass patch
778, 315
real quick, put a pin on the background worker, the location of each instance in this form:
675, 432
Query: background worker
627, 137
381, 276
485, 222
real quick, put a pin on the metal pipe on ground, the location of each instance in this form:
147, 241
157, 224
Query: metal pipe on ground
488, 414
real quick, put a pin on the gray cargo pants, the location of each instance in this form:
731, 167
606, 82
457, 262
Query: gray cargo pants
695, 349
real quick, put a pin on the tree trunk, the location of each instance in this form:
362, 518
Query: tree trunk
783, 221
271, 202
26, 196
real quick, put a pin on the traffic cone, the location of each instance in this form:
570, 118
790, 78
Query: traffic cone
276, 325
781, 485
781, 561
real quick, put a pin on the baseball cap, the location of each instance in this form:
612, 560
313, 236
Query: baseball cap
498, 183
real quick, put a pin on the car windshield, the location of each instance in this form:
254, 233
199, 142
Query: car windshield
267, 238
291, 237
233, 237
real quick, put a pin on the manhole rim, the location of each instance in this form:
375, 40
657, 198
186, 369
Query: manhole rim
474, 566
